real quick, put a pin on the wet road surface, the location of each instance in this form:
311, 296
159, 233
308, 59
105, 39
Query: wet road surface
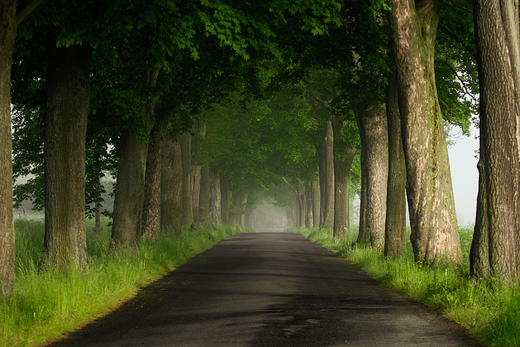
268, 289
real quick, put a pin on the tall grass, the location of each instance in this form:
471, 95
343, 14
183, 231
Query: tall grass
489, 310
47, 304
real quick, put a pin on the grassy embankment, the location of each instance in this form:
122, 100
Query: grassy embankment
47, 304
489, 310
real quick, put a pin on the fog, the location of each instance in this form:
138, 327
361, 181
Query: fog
464, 176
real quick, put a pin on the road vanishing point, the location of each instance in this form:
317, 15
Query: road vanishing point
268, 289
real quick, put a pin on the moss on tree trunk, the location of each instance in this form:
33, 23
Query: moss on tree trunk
433, 220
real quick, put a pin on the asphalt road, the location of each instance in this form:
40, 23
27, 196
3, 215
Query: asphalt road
268, 289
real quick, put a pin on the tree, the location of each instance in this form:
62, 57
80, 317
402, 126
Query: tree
496, 242
66, 111
395, 223
171, 185
216, 200
151, 223
185, 144
10, 16
373, 129
413, 28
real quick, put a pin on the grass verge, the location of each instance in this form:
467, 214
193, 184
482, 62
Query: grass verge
45, 305
489, 310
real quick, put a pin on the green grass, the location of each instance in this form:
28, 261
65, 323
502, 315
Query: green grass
489, 310
47, 304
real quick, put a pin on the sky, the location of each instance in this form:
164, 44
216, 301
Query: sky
464, 175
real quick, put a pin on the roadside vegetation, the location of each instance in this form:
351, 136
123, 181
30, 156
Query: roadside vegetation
46, 304
488, 309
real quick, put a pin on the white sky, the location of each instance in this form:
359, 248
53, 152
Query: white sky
464, 176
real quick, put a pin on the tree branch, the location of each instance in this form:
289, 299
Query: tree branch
455, 38
460, 79
24, 8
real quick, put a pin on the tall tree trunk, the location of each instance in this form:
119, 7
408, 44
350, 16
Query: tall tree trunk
196, 176
297, 210
215, 195
204, 211
429, 190
171, 185
322, 179
479, 253
303, 206
195, 192
245, 199
308, 205
328, 218
185, 142
498, 222
237, 203
395, 225
151, 227
129, 192
7, 243
66, 112
225, 200
9, 19
373, 131
341, 196
315, 191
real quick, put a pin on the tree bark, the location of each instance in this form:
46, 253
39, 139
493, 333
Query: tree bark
204, 211
129, 192
297, 212
171, 185
479, 252
497, 228
151, 224
373, 131
215, 196
225, 200
9, 19
320, 149
195, 192
433, 220
395, 225
341, 195
302, 194
66, 112
328, 152
187, 217
315, 191
237, 204
196, 177
308, 205
245, 199
7, 243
